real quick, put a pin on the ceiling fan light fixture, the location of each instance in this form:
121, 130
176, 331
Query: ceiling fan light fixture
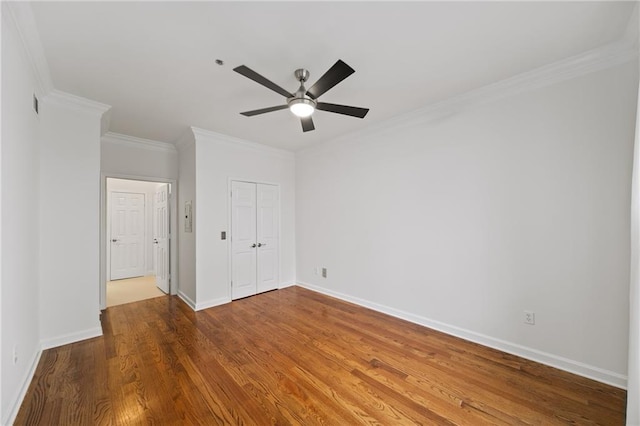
303, 103
302, 107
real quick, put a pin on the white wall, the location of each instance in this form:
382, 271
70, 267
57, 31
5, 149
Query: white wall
464, 223
186, 240
139, 187
69, 219
19, 244
125, 155
218, 159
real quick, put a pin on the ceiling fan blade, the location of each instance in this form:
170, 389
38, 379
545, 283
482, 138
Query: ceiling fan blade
249, 73
343, 109
263, 110
338, 72
307, 124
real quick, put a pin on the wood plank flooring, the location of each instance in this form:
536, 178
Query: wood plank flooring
294, 356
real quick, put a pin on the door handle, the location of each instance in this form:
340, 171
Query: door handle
261, 244
253, 245
115, 240
155, 241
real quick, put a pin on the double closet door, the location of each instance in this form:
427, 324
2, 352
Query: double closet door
255, 220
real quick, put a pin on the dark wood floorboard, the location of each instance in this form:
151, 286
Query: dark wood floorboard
294, 356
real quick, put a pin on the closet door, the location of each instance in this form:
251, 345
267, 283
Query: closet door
255, 222
243, 239
268, 231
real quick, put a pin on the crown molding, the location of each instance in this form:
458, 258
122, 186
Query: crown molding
134, 142
608, 56
105, 122
187, 140
76, 103
240, 143
21, 15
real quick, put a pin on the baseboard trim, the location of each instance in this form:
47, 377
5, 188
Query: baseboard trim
65, 339
186, 299
286, 284
212, 303
198, 306
15, 407
576, 367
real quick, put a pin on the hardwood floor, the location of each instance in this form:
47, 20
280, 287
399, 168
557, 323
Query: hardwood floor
294, 356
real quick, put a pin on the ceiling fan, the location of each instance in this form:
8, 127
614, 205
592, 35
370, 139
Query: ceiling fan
304, 102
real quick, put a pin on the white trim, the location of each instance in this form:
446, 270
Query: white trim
240, 143
572, 366
610, 55
105, 123
134, 142
76, 336
263, 182
144, 178
211, 303
76, 103
286, 284
186, 299
22, 16
15, 406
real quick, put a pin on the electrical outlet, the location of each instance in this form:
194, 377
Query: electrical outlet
324, 272
529, 317
15, 354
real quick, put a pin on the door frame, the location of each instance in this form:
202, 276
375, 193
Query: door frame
173, 228
229, 236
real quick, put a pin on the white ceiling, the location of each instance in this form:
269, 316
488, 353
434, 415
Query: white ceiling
154, 62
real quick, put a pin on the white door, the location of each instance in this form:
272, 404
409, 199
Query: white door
127, 235
161, 238
267, 231
243, 239
254, 238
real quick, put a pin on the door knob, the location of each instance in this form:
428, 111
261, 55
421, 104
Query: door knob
253, 245
155, 241
115, 240
261, 244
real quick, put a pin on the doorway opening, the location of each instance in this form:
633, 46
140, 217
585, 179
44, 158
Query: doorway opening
136, 249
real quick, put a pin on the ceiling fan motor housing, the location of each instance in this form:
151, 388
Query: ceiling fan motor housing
300, 96
301, 74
